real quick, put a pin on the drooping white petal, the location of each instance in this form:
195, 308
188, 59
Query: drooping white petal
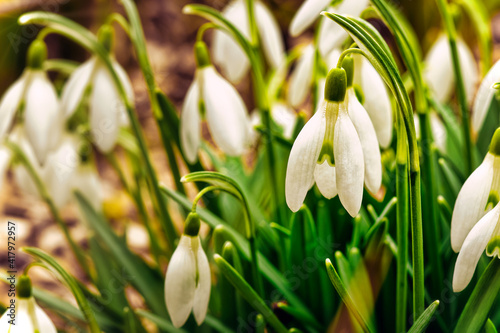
468, 68
377, 102
331, 35
190, 123
226, 113
105, 104
45, 325
202, 292
369, 142
349, 163
61, 170
438, 132
303, 159
320, 86
473, 247
484, 96
308, 12
325, 178
285, 117
5, 156
86, 181
301, 78
21, 175
74, 88
226, 52
10, 103
23, 321
180, 282
270, 35
129, 91
42, 115
471, 202
438, 72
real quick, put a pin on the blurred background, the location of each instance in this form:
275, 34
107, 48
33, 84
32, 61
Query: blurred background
170, 38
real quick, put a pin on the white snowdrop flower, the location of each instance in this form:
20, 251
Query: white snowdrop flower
25, 316
41, 108
188, 280
472, 201
306, 15
331, 35
68, 170
439, 73
329, 152
302, 77
107, 112
484, 235
484, 96
376, 99
230, 56
437, 128
222, 106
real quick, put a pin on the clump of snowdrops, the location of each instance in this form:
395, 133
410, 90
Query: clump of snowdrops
376, 211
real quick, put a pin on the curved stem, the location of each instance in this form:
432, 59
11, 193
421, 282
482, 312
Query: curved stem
250, 227
345, 53
203, 29
462, 97
122, 21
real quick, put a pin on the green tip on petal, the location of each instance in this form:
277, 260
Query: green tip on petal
336, 85
201, 54
192, 225
359, 94
493, 247
105, 35
495, 143
37, 54
24, 287
348, 66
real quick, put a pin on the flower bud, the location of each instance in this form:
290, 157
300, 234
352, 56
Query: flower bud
201, 55
24, 287
192, 225
336, 85
37, 54
105, 35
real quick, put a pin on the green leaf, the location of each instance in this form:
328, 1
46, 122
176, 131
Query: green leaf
139, 274
344, 294
489, 327
425, 318
249, 294
481, 300
70, 282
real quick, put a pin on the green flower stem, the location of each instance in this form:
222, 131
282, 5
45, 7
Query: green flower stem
60, 65
249, 294
431, 226
85, 38
118, 18
480, 19
52, 265
226, 184
136, 196
42, 190
138, 40
402, 228
462, 97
